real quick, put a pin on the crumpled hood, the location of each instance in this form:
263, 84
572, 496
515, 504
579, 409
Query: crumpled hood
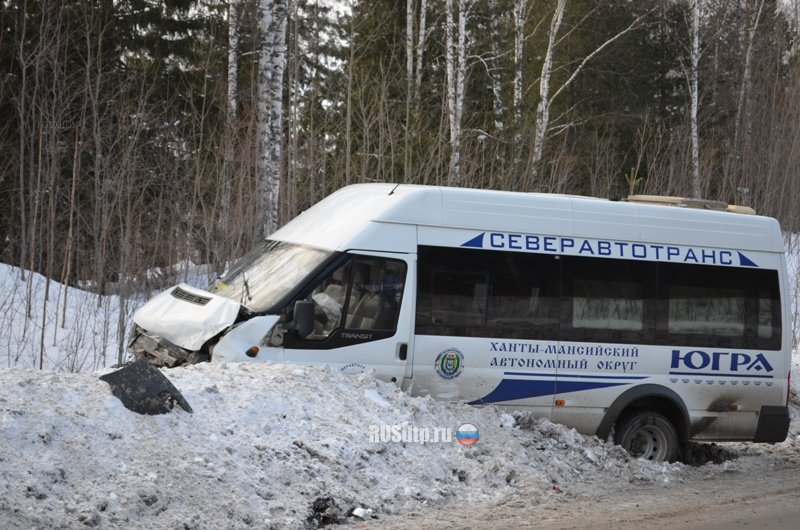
186, 316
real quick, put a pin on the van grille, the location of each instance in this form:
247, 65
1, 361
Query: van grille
180, 294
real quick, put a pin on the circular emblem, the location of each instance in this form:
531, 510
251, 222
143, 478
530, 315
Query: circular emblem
449, 363
467, 434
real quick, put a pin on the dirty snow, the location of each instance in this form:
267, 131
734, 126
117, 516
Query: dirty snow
265, 443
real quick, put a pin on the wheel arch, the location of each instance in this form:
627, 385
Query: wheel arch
654, 397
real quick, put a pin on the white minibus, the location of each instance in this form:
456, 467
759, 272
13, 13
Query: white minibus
662, 321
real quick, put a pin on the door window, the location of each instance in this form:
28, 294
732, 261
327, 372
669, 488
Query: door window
363, 294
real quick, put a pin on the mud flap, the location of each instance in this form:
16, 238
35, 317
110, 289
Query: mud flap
143, 389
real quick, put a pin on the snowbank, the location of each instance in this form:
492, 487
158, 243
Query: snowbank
265, 442
60, 328
44, 323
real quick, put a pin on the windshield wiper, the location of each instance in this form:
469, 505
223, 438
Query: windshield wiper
246, 291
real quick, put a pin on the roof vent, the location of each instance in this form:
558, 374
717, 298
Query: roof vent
684, 202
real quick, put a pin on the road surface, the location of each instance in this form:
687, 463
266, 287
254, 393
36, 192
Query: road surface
758, 490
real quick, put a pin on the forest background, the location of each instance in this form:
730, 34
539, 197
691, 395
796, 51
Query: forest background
140, 134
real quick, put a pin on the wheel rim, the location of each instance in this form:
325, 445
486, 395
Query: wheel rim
649, 443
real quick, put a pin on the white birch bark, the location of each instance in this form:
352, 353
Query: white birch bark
349, 109
543, 108
264, 103
272, 64
421, 36
451, 91
745, 87
455, 58
545, 99
409, 85
409, 45
520, 10
230, 119
497, 101
694, 95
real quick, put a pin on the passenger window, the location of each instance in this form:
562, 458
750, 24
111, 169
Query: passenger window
722, 307
460, 299
706, 310
766, 321
475, 293
608, 300
363, 294
602, 304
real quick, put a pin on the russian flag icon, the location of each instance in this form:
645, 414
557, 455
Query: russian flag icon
467, 434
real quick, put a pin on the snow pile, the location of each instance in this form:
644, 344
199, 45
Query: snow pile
44, 323
61, 328
264, 443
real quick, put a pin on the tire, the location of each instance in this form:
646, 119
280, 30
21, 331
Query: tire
648, 435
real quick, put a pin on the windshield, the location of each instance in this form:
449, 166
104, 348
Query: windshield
268, 273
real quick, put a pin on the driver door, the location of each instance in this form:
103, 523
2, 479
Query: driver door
362, 317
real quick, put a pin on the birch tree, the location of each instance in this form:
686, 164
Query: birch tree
409, 84
543, 107
456, 66
230, 118
421, 36
497, 94
272, 64
745, 85
520, 11
694, 98
545, 99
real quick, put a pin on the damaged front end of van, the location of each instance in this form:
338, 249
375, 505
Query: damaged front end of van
238, 312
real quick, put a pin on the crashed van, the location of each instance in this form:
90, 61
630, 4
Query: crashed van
660, 320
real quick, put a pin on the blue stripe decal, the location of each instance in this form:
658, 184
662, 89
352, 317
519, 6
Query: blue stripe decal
560, 375
511, 389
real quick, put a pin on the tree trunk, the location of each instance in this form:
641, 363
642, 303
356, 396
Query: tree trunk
519, 44
409, 87
543, 108
230, 133
272, 64
455, 58
741, 119
694, 94
421, 36
497, 93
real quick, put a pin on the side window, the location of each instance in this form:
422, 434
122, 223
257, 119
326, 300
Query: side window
363, 294
459, 299
376, 293
329, 299
721, 307
484, 293
608, 300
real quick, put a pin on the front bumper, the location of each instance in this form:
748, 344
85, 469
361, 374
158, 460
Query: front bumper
158, 350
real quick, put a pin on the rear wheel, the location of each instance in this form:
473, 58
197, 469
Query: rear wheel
649, 435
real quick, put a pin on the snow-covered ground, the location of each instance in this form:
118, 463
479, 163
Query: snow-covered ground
265, 442
58, 328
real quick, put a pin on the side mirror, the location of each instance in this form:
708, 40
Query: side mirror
303, 319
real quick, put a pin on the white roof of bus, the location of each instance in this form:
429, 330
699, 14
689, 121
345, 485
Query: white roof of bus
366, 216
